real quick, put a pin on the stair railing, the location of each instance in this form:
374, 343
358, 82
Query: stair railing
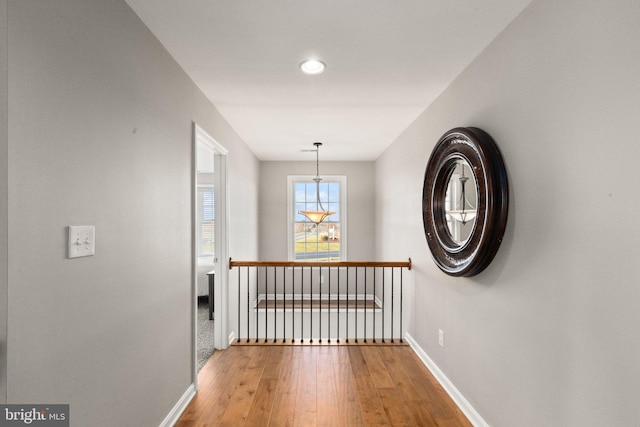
320, 302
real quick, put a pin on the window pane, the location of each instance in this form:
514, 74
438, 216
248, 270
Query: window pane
207, 205
324, 192
207, 238
206, 221
334, 192
299, 192
298, 217
334, 207
310, 193
317, 243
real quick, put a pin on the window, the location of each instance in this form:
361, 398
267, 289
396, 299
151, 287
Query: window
327, 240
206, 217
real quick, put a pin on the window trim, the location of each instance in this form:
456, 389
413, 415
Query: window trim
344, 230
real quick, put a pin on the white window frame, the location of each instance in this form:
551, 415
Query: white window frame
291, 181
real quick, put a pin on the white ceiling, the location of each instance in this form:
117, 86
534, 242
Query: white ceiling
387, 60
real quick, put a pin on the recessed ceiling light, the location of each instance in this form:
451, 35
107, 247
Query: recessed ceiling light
312, 66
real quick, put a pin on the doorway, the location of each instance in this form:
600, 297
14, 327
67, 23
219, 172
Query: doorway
210, 247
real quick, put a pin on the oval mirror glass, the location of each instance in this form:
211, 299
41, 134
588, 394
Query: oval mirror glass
461, 202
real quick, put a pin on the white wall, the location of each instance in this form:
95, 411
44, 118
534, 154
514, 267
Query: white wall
548, 334
100, 133
360, 204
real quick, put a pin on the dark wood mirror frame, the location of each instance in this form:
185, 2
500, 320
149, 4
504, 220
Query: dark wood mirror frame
479, 150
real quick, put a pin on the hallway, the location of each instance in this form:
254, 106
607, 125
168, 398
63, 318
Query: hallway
319, 385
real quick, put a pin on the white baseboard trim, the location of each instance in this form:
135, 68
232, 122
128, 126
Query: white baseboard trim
457, 397
179, 407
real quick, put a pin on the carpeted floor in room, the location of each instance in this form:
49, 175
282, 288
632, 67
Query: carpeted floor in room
205, 332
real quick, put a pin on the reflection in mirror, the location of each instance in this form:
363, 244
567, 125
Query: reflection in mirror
465, 201
461, 202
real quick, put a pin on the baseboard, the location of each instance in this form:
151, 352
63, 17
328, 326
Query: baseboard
179, 407
457, 397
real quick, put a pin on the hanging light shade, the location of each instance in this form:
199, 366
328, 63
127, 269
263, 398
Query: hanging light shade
463, 215
319, 214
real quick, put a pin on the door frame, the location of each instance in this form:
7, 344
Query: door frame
221, 232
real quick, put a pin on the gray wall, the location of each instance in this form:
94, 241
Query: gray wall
3, 200
548, 334
100, 133
360, 204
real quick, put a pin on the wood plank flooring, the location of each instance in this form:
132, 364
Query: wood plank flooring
319, 386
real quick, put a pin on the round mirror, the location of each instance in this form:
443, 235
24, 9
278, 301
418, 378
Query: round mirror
465, 201
461, 201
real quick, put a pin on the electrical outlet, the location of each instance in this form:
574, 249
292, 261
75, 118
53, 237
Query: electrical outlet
441, 337
321, 278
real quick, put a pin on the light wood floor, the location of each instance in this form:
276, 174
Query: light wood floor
308, 385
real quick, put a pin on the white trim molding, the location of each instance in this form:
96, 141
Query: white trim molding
457, 397
173, 416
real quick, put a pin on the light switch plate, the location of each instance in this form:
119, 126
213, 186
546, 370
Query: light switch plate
82, 241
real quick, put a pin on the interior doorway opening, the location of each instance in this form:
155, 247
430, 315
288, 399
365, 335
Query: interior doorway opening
205, 240
210, 246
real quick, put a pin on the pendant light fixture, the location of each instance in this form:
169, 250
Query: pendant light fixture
319, 214
461, 213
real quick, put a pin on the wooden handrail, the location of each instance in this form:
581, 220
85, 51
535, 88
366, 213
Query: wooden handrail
404, 264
